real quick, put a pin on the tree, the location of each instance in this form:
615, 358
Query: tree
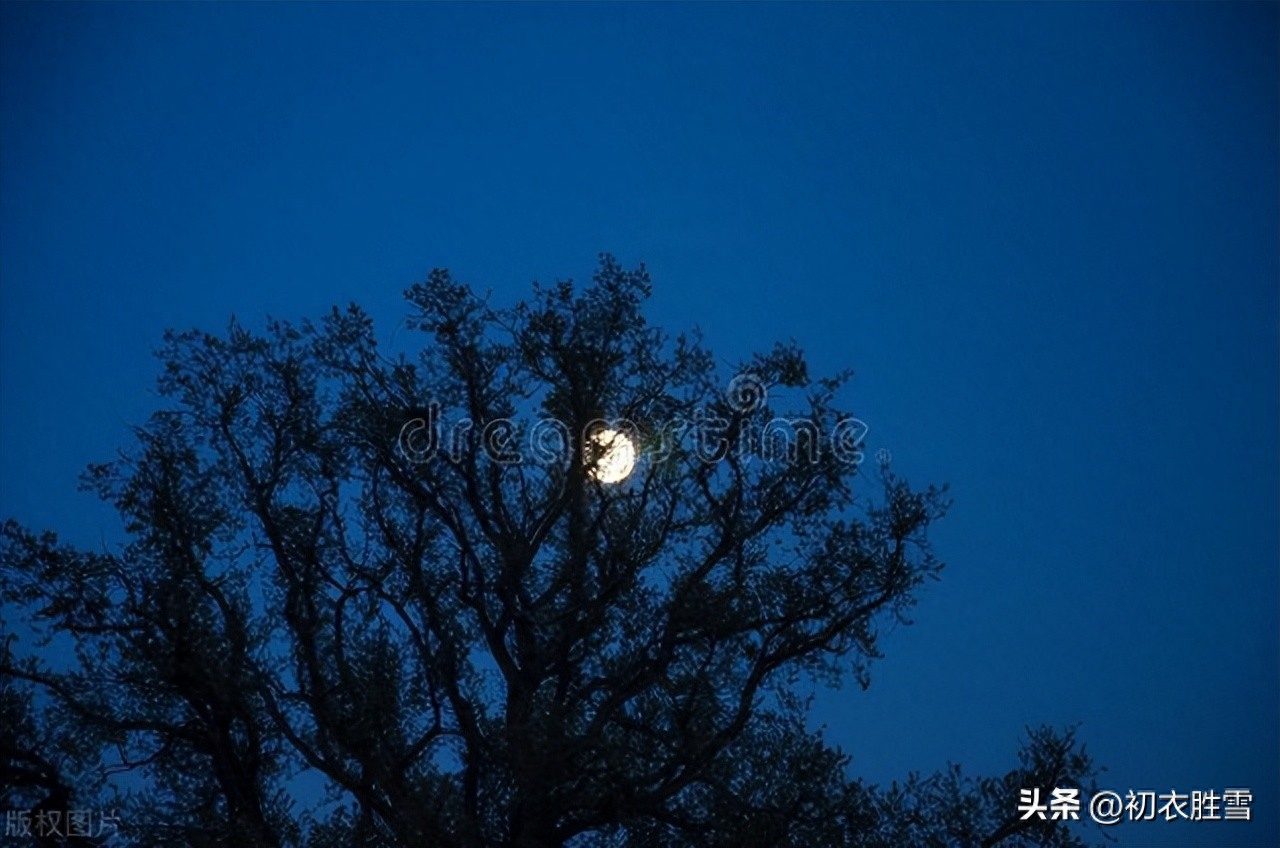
408, 577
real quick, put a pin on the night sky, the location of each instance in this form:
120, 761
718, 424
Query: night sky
1043, 236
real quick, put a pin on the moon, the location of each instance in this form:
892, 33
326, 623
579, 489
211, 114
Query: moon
614, 456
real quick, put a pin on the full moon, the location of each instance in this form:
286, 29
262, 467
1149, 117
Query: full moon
615, 456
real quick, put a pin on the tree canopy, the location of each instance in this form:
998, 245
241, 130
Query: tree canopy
387, 599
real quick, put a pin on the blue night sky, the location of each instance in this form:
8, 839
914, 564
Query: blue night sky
1043, 236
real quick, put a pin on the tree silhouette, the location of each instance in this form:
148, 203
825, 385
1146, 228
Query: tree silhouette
389, 600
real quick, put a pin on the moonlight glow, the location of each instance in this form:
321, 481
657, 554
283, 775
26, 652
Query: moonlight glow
615, 456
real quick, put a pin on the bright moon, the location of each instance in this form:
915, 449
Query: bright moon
616, 456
